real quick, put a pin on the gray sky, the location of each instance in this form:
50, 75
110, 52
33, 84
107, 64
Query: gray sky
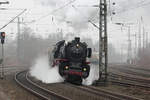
74, 20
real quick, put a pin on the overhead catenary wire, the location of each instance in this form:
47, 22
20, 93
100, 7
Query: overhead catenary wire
13, 19
138, 5
55, 10
86, 17
83, 14
11, 9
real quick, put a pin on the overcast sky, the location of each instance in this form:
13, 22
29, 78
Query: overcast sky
71, 19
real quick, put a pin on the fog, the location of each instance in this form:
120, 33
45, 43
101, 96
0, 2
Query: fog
48, 21
70, 18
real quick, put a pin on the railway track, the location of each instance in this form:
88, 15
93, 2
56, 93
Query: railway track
104, 93
25, 81
107, 94
130, 76
97, 91
22, 79
129, 81
140, 68
132, 70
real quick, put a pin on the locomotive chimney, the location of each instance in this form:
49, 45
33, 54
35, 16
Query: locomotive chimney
77, 39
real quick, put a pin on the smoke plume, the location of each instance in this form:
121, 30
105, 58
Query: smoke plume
74, 16
42, 71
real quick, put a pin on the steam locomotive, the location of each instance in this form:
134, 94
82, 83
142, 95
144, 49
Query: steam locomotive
71, 59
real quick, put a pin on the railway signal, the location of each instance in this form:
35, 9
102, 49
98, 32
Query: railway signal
2, 37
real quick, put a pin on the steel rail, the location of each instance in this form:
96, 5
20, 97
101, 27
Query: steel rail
104, 93
21, 79
129, 81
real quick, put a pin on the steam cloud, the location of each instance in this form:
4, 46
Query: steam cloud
42, 71
75, 17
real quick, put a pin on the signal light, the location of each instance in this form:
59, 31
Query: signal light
2, 36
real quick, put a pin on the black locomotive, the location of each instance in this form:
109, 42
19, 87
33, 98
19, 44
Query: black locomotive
72, 60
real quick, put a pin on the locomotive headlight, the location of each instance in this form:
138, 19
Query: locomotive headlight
84, 69
66, 67
77, 45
